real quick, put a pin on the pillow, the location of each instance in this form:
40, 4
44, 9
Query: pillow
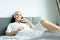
36, 20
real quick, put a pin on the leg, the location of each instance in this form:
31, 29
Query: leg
50, 26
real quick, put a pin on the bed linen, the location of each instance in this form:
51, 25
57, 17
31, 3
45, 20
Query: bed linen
34, 35
25, 35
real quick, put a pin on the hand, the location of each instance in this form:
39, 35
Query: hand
24, 20
20, 29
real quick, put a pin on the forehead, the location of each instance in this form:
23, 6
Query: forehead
17, 13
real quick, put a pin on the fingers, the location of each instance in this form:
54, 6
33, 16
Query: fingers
24, 20
20, 29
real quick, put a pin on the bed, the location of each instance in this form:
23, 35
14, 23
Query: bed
35, 20
44, 36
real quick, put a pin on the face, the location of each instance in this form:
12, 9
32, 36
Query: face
18, 15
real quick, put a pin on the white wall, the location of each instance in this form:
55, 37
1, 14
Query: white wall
28, 7
49, 10
7, 7
52, 11
45, 8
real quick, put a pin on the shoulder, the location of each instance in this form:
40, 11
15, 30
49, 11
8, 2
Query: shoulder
11, 23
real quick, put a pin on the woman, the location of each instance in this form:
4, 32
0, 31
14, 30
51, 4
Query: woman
16, 24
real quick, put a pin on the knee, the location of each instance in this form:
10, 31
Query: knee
42, 22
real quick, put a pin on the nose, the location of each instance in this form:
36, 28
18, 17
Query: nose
19, 16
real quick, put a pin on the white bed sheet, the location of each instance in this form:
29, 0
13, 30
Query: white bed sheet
25, 35
35, 35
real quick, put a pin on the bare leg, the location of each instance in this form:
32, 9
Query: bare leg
50, 26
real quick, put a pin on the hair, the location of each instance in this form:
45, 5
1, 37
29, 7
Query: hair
12, 19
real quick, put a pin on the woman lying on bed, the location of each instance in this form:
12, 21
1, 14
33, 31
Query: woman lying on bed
18, 23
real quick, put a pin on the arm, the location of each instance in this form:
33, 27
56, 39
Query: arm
31, 24
13, 33
10, 33
28, 22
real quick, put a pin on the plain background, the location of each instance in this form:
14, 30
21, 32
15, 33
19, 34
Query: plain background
47, 9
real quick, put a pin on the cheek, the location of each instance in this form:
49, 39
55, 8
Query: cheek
18, 18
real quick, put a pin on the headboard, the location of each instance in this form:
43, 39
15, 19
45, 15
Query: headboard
5, 21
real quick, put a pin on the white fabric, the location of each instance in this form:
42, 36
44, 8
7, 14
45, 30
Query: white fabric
24, 35
44, 36
14, 26
32, 33
27, 32
40, 27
